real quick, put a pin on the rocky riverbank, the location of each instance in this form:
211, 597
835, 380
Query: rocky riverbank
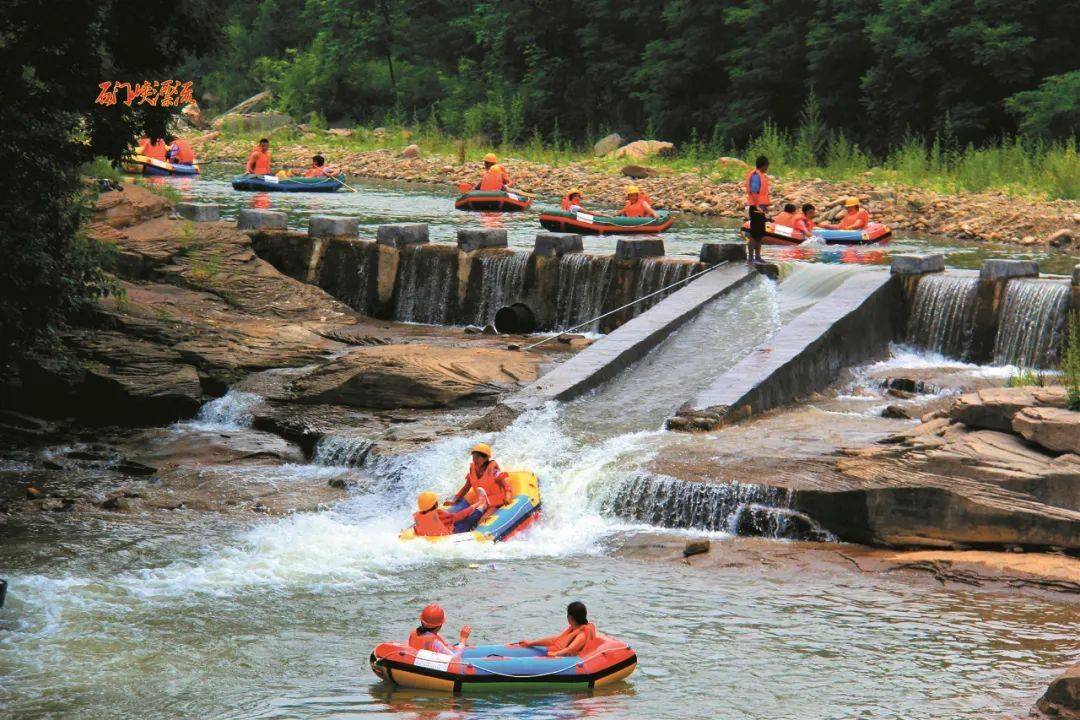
994, 217
199, 314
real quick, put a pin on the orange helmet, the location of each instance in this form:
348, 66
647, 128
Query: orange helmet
491, 158
482, 448
432, 616
427, 500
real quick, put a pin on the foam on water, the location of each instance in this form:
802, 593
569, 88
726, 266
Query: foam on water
232, 411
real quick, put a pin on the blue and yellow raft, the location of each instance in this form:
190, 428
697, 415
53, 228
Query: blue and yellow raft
501, 523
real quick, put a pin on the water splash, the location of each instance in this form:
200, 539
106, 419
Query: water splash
942, 315
584, 283
656, 274
1032, 319
232, 411
502, 280
340, 451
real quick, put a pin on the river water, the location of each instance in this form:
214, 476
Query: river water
379, 202
183, 614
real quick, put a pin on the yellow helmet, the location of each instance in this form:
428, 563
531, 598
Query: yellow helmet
482, 448
851, 202
573, 191
632, 190
427, 500
491, 158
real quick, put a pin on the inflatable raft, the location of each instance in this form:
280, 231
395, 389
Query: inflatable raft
582, 222
501, 523
142, 165
603, 660
272, 183
492, 201
784, 235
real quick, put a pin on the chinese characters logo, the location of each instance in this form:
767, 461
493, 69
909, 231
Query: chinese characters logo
166, 93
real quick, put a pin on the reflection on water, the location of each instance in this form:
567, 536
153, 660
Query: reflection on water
381, 202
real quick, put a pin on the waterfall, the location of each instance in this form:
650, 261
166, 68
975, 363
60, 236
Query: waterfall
502, 280
426, 285
1032, 317
657, 273
729, 506
584, 281
357, 299
336, 451
232, 411
942, 315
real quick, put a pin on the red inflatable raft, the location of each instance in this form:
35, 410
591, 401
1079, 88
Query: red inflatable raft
492, 201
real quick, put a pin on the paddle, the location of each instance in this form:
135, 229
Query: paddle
464, 187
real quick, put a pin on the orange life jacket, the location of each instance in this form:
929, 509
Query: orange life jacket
637, 209
492, 481
182, 152
433, 522
317, 172
567, 203
258, 163
493, 181
158, 151
426, 641
802, 223
570, 634
761, 197
785, 218
855, 220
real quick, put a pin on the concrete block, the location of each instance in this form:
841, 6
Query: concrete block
714, 253
333, 226
470, 239
917, 264
261, 220
637, 248
199, 212
402, 234
557, 244
1005, 269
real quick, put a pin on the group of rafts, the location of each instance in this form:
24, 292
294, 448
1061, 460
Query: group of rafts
494, 506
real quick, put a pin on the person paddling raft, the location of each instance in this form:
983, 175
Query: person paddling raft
757, 205
426, 636
258, 162
572, 640
432, 521
495, 177
484, 479
856, 218
636, 204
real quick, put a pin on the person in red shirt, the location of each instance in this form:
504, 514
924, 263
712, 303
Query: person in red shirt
572, 640
154, 148
180, 151
636, 204
571, 202
258, 162
856, 218
432, 521
804, 221
426, 636
787, 217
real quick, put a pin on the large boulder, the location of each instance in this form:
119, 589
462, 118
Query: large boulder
1056, 429
1062, 698
608, 144
415, 376
993, 408
253, 103
643, 149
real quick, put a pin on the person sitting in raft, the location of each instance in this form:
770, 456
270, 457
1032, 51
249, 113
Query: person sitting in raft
572, 640
571, 201
180, 151
431, 521
856, 217
319, 168
636, 204
258, 162
484, 475
426, 636
786, 218
804, 220
154, 148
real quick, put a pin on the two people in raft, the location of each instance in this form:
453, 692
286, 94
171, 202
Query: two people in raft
757, 204
569, 642
170, 149
486, 487
637, 203
258, 163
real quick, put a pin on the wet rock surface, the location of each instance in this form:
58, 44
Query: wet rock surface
1062, 698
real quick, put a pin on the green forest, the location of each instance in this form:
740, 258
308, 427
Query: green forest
882, 71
